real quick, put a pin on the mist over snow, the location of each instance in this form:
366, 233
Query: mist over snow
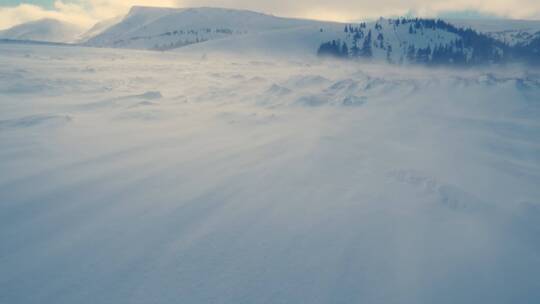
197, 177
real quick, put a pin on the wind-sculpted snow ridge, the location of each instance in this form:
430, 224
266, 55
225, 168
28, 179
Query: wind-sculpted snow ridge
144, 177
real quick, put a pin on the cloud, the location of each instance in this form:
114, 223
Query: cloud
345, 10
10, 16
86, 12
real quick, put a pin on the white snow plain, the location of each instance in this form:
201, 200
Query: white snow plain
145, 177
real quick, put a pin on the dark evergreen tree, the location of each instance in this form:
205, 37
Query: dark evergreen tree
423, 55
380, 38
344, 50
389, 54
366, 50
355, 50
333, 49
411, 54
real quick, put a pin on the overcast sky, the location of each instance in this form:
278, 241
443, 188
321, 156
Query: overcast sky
87, 12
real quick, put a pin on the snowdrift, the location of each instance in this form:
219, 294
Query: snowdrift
149, 177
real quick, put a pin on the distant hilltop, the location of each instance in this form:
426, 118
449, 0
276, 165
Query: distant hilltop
427, 41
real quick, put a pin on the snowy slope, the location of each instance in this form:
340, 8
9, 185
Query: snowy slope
164, 28
391, 41
98, 28
49, 30
509, 31
293, 43
428, 42
388, 41
156, 177
304, 41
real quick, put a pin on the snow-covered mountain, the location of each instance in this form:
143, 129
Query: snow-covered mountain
168, 28
399, 40
49, 30
206, 30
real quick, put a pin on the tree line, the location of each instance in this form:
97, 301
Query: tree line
469, 48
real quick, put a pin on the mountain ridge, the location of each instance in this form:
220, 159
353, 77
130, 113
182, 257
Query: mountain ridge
394, 40
155, 28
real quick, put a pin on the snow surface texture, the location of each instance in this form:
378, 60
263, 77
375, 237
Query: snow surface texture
142, 177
